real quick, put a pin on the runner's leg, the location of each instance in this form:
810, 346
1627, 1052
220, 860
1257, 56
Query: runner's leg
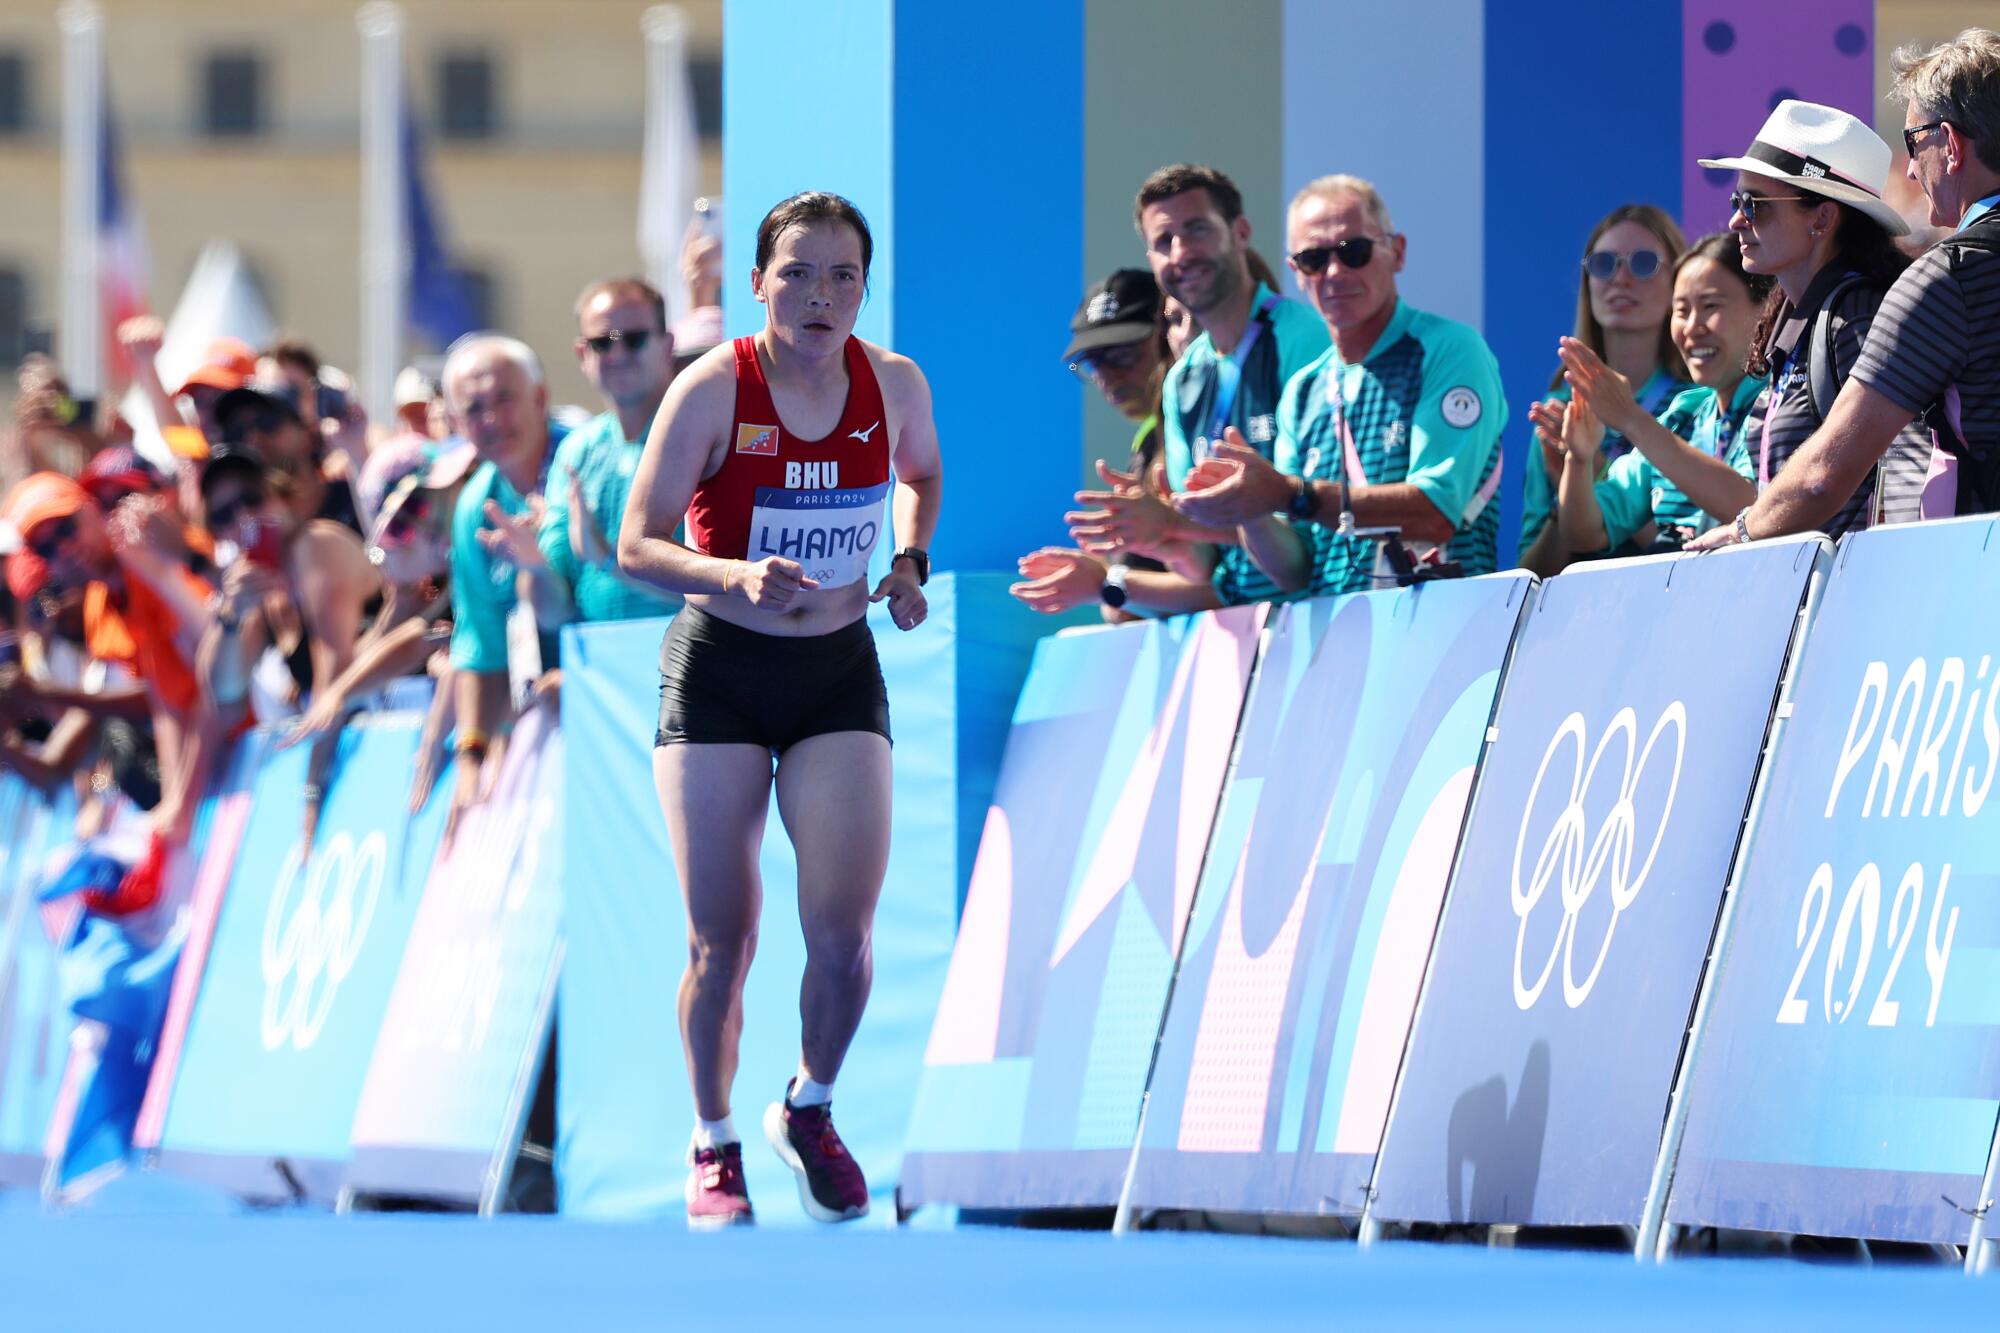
833, 795
715, 798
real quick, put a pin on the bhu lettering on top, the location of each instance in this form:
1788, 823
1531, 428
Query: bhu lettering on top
822, 503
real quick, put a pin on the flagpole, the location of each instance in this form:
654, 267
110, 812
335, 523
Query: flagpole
667, 175
81, 346
384, 254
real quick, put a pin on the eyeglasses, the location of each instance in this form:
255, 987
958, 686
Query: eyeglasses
1099, 359
222, 516
52, 538
1354, 252
1747, 204
635, 340
1916, 132
1641, 264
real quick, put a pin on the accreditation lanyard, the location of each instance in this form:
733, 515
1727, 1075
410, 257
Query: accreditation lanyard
1229, 377
1357, 475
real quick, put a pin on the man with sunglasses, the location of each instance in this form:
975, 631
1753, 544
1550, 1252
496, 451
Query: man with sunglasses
1933, 350
628, 355
1397, 426
1252, 342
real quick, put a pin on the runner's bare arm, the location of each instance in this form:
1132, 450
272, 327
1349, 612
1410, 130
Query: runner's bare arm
684, 446
918, 463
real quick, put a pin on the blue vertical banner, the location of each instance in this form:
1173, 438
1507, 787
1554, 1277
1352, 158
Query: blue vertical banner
1848, 1078
1087, 869
1320, 896
1577, 925
304, 952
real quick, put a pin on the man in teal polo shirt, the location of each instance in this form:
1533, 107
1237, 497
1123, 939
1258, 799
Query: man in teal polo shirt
628, 355
494, 388
1396, 426
1231, 376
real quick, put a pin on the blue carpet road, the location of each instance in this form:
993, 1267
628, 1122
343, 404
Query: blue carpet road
98, 1270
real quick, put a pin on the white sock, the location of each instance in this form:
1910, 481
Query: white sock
715, 1133
806, 1092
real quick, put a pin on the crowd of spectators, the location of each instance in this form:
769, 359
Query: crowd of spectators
261, 553
272, 557
1822, 364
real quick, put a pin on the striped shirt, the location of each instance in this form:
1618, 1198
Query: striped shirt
1939, 327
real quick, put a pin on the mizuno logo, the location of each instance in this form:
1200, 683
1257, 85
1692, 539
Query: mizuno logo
862, 435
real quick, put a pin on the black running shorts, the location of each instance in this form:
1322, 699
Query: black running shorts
722, 684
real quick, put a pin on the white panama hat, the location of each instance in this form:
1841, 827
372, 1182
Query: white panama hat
1826, 151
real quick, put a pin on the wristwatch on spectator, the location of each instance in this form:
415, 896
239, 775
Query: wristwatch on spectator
920, 558
1113, 592
1304, 503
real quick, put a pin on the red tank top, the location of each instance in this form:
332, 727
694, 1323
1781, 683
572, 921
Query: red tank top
820, 502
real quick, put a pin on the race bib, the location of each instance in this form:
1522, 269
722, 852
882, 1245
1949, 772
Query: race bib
830, 533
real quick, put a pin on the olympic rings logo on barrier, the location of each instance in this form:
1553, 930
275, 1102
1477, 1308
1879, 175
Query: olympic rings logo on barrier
1563, 850
313, 937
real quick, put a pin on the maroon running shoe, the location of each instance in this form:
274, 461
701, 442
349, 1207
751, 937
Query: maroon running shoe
831, 1187
716, 1193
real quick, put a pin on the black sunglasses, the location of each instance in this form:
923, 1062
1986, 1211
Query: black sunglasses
1747, 204
405, 520
1123, 357
221, 517
1641, 264
1916, 132
53, 537
635, 340
1355, 252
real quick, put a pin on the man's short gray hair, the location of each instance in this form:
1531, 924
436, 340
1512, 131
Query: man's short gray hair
476, 348
1956, 81
1348, 187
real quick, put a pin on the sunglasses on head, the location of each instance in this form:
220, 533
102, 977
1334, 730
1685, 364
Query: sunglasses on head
223, 516
635, 340
1641, 264
1123, 357
1355, 252
52, 537
1747, 204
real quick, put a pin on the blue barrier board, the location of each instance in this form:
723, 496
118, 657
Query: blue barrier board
1037, 1062
1848, 1081
1602, 831
1320, 897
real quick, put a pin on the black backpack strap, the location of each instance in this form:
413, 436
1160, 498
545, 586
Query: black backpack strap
1822, 383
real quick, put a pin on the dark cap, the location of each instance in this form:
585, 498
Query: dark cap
1122, 309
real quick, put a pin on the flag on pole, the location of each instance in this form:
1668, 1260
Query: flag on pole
670, 168
121, 247
440, 299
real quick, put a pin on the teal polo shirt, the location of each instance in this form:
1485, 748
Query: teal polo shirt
604, 462
1635, 493
1538, 493
1293, 337
1426, 408
482, 587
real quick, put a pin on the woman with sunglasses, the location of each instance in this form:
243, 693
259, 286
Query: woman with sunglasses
1689, 469
1808, 212
1622, 306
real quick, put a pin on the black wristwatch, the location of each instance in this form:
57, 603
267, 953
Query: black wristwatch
922, 560
1304, 503
1113, 592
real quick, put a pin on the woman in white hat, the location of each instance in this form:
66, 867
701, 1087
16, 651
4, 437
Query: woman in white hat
1808, 211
